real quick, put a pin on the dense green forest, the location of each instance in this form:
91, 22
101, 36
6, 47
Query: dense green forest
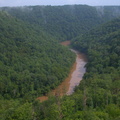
98, 95
65, 22
32, 62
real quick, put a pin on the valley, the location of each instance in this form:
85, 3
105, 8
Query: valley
34, 66
75, 76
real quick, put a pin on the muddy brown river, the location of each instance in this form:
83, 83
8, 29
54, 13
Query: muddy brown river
75, 76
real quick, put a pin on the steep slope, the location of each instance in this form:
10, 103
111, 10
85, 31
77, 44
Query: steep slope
31, 62
65, 22
102, 42
100, 86
98, 95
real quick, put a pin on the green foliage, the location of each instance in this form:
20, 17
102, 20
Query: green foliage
113, 111
65, 22
98, 95
100, 84
31, 61
14, 110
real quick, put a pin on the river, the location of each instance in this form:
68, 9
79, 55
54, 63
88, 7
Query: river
75, 76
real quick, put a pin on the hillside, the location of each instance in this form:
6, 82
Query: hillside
98, 95
101, 83
65, 22
31, 61
102, 42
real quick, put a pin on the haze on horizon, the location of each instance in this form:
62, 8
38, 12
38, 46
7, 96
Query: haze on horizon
58, 2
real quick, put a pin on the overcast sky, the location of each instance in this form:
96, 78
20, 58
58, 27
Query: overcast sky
57, 2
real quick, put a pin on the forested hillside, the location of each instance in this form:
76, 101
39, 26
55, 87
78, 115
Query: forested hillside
65, 22
98, 95
31, 63
100, 87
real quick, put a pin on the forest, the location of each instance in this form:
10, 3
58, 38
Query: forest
32, 62
65, 22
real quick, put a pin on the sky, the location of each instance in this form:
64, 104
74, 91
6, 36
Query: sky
58, 2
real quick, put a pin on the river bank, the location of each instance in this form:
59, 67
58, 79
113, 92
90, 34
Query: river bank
75, 76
